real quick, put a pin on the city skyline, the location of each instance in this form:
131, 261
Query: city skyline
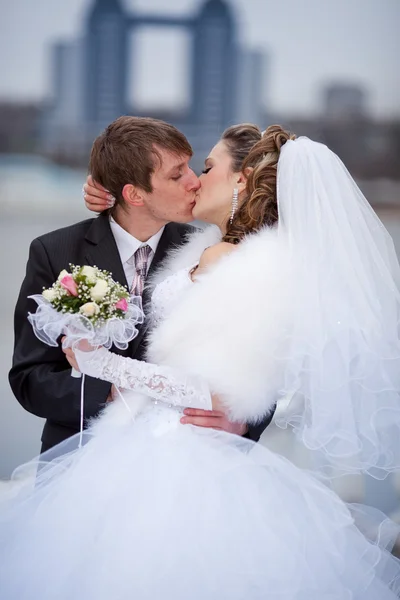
361, 36
100, 70
90, 76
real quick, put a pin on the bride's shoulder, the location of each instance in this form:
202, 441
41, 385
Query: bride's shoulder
214, 253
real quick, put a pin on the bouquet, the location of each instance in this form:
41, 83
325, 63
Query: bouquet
86, 304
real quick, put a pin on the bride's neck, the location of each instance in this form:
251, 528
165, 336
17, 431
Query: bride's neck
222, 223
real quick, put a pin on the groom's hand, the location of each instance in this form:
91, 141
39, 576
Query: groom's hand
214, 419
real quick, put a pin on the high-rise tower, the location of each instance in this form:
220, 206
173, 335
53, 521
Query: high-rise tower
106, 62
214, 66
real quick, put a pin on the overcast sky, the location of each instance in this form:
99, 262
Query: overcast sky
310, 42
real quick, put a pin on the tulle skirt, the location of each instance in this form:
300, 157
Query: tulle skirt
149, 509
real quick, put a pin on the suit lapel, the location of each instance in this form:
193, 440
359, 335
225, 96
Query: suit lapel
102, 249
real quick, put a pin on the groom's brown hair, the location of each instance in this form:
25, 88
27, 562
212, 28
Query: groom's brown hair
128, 151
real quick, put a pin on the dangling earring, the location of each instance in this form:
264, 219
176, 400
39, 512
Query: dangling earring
234, 204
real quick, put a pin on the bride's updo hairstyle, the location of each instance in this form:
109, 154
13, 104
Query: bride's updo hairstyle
258, 161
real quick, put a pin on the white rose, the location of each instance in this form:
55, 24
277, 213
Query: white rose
98, 292
90, 273
63, 274
89, 309
49, 294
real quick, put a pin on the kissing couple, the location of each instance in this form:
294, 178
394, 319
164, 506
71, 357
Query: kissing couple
290, 296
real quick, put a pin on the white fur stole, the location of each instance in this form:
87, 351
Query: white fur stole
229, 327
186, 255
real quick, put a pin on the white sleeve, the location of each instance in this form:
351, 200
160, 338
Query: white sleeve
158, 382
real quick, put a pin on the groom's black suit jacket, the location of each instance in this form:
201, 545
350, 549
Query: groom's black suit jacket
41, 376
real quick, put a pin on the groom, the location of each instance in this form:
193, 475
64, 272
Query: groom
144, 163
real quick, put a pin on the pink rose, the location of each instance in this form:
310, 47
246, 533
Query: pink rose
122, 304
69, 284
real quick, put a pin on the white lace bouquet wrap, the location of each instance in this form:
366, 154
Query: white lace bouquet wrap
86, 304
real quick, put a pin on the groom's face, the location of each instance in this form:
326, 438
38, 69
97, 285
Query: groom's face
174, 189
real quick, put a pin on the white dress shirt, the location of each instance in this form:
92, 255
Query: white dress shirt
127, 246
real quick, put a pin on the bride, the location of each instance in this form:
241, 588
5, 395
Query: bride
295, 295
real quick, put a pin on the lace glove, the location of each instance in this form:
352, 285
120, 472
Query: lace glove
158, 382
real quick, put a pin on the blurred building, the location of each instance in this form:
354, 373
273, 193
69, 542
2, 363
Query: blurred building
251, 70
369, 148
89, 89
90, 77
105, 59
344, 101
19, 127
64, 117
67, 75
214, 65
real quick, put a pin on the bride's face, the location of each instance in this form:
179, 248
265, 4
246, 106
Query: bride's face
214, 198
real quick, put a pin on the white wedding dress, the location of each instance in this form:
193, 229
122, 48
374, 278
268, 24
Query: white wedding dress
149, 508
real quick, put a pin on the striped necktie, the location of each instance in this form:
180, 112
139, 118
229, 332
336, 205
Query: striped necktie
141, 258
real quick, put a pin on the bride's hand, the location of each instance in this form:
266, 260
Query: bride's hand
70, 354
96, 197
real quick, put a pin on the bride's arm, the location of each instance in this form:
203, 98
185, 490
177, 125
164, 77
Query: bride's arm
158, 382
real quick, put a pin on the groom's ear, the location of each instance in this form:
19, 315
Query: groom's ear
132, 195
